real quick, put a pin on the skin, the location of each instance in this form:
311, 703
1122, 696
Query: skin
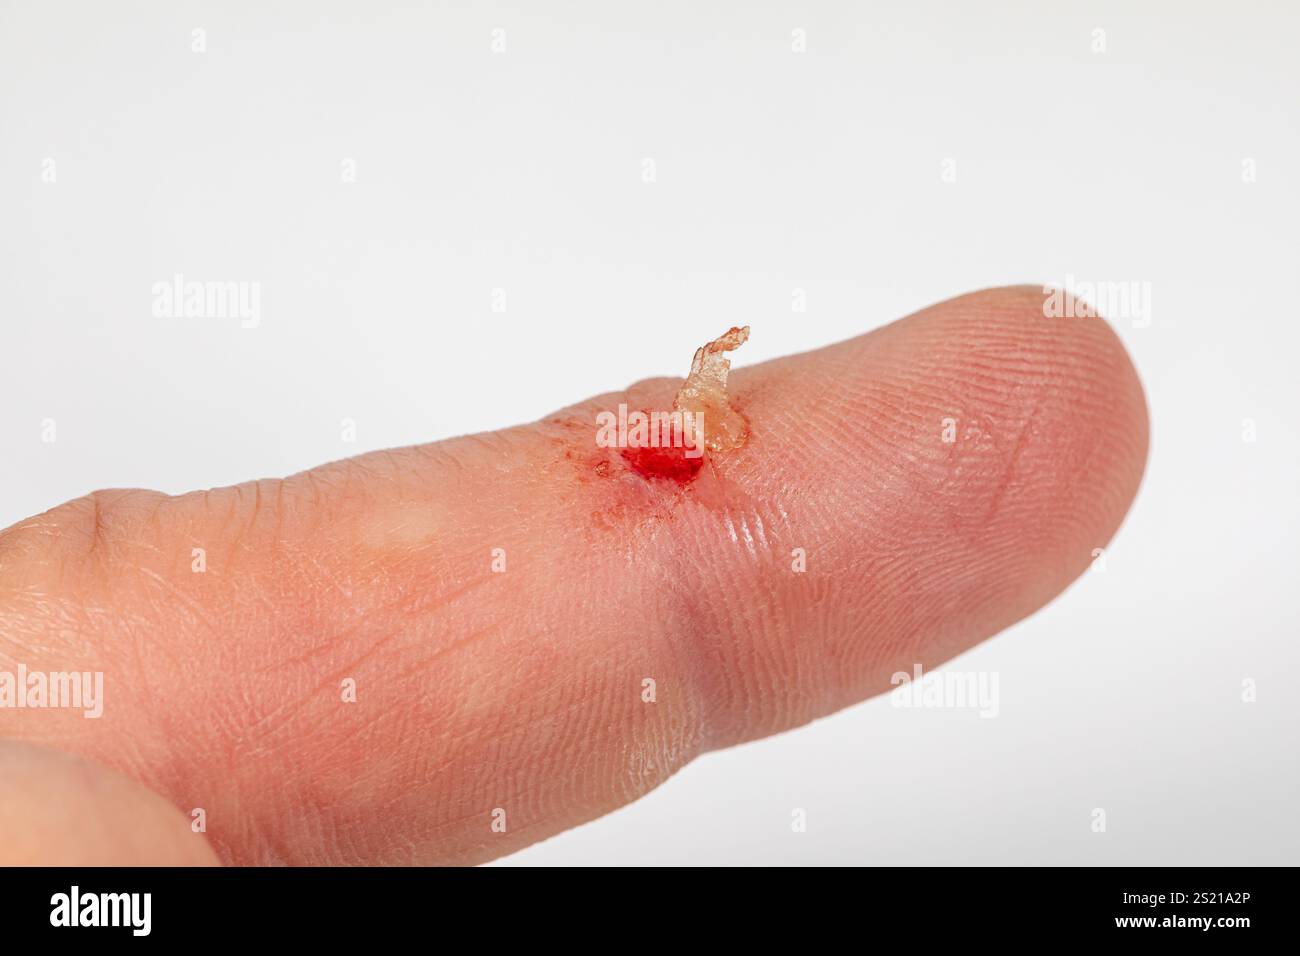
60, 810
522, 690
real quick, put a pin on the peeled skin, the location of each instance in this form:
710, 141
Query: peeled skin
705, 392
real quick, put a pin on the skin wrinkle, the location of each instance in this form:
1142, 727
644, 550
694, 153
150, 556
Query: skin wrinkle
97, 526
684, 642
384, 639
135, 638
174, 593
398, 603
572, 704
1006, 478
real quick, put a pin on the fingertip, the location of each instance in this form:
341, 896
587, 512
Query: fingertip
945, 476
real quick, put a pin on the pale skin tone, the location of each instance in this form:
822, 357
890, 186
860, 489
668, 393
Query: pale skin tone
523, 690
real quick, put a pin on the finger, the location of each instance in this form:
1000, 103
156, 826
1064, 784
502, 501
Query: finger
506, 605
60, 810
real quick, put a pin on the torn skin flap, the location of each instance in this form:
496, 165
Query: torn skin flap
705, 393
710, 424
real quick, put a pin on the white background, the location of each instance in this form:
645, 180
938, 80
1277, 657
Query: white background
775, 171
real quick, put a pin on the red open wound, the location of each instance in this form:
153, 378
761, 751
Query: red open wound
707, 422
